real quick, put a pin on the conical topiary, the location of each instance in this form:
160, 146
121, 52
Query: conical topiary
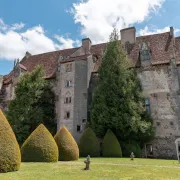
88, 144
40, 146
68, 148
10, 155
111, 146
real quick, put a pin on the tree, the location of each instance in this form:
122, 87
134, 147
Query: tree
88, 144
40, 146
111, 146
68, 148
33, 105
10, 155
117, 102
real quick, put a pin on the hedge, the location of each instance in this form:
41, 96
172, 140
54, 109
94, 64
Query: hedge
10, 156
40, 146
132, 146
68, 148
111, 146
88, 144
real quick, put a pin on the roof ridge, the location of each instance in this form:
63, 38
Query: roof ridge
153, 34
55, 51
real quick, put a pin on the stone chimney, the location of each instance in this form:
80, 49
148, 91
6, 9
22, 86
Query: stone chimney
128, 35
86, 44
173, 41
27, 55
172, 31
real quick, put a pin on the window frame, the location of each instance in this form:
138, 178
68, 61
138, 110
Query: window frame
148, 105
68, 83
67, 115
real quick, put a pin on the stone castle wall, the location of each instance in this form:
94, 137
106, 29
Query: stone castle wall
161, 85
80, 98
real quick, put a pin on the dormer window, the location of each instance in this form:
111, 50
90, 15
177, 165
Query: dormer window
145, 52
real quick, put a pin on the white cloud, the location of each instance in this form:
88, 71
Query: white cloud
3, 26
14, 44
66, 42
17, 26
153, 30
98, 17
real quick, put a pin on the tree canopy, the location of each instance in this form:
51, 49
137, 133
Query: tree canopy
117, 102
33, 104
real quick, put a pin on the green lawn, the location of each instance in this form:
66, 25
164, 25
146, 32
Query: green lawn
101, 169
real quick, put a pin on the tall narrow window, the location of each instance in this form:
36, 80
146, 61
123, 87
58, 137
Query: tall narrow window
67, 115
78, 128
68, 83
147, 104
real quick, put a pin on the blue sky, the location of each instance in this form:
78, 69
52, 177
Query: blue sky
40, 26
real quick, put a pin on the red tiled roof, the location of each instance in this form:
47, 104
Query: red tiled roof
161, 46
177, 44
22, 67
70, 59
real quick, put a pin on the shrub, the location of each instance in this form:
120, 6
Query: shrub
111, 146
89, 144
129, 147
68, 148
10, 156
40, 146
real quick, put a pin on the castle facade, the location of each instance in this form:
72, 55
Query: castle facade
74, 73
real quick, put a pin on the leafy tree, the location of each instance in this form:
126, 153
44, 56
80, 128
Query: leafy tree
117, 102
33, 105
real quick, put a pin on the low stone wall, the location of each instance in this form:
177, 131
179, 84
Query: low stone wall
163, 148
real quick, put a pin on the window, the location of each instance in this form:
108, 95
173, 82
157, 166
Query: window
84, 120
68, 67
149, 150
78, 128
145, 55
147, 104
68, 83
67, 115
145, 52
158, 123
67, 100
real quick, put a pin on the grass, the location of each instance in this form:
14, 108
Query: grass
101, 169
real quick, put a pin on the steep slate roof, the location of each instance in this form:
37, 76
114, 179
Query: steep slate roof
177, 43
161, 46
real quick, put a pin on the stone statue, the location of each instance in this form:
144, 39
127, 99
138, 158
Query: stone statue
87, 162
132, 156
